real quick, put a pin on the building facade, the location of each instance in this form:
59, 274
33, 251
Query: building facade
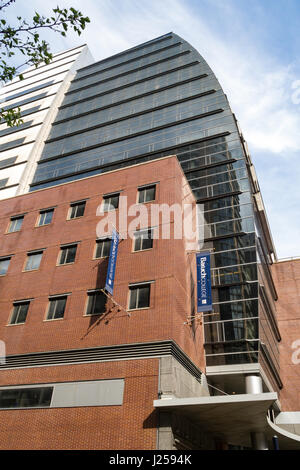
215, 379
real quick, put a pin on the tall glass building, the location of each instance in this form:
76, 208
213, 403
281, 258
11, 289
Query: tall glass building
162, 98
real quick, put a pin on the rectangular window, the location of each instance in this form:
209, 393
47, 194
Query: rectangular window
139, 296
111, 202
67, 254
102, 248
147, 193
15, 224
76, 210
45, 217
19, 312
4, 264
56, 307
26, 397
143, 240
96, 303
33, 261
3, 183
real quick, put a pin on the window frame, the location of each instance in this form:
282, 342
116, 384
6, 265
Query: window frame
66, 247
4, 258
133, 287
29, 254
148, 229
15, 315
90, 294
98, 241
107, 197
12, 219
42, 212
76, 204
145, 188
56, 298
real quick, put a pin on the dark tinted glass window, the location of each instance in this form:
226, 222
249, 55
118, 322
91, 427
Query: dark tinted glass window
143, 240
139, 296
146, 194
19, 313
96, 303
111, 202
77, 210
68, 254
25, 397
56, 308
102, 248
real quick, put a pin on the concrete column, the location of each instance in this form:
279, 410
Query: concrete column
259, 441
254, 386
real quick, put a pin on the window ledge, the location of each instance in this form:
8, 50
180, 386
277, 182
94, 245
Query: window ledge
141, 308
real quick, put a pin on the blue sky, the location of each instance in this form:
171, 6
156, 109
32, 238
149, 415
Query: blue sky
253, 48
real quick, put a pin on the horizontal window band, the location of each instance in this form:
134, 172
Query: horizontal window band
46, 65
137, 284
16, 105
33, 101
41, 79
134, 59
136, 134
117, 163
120, 54
138, 69
121, 87
9, 186
124, 118
13, 164
123, 74
33, 91
241, 283
219, 196
220, 237
15, 130
211, 165
126, 100
19, 145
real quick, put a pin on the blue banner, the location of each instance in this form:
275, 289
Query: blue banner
110, 277
204, 298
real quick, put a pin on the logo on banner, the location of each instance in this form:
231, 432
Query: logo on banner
204, 297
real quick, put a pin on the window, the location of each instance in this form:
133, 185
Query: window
96, 303
139, 296
15, 223
57, 307
67, 254
33, 261
45, 217
19, 312
111, 202
102, 248
3, 183
76, 210
143, 240
4, 264
25, 397
147, 193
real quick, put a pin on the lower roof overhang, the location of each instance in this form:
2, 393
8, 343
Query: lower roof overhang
230, 418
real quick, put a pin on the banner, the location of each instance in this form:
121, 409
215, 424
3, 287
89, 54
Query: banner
110, 277
204, 298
